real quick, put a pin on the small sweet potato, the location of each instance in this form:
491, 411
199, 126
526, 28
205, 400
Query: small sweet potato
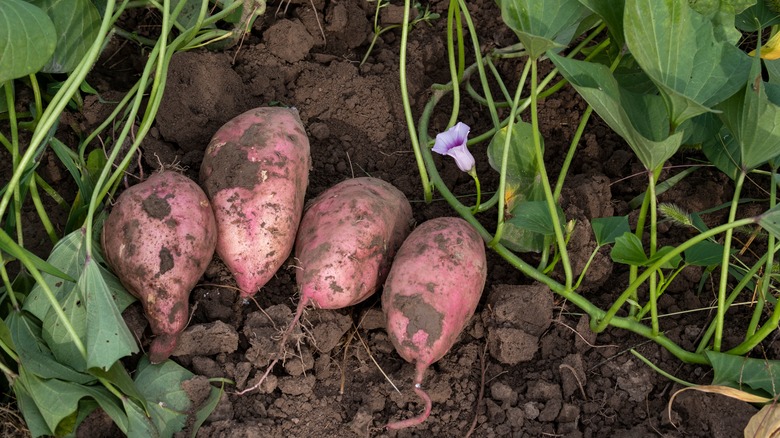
255, 171
158, 239
431, 292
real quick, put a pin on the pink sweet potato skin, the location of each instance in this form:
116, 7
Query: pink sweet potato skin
158, 239
347, 240
433, 288
255, 171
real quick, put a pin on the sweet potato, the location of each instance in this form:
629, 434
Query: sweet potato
255, 171
346, 243
158, 239
347, 240
431, 292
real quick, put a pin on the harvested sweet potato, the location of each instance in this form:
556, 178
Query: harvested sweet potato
431, 292
347, 240
158, 239
345, 245
255, 171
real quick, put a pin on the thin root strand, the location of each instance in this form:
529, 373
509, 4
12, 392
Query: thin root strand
414, 421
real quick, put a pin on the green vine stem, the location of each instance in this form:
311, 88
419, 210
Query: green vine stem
455, 67
551, 201
724, 273
427, 189
766, 278
747, 277
653, 280
501, 192
599, 326
480, 65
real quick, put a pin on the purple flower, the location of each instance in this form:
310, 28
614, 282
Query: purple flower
452, 142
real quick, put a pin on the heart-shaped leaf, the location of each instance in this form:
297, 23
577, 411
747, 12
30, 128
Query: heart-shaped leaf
27, 39
677, 48
542, 26
640, 119
77, 23
752, 117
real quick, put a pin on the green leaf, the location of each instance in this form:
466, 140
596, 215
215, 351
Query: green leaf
628, 250
110, 405
5, 333
723, 152
672, 263
35, 355
722, 14
68, 255
93, 304
754, 121
700, 129
542, 26
760, 375
207, 408
33, 418
757, 17
770, 221
108, 338
9, 246
607, 229
523, 181
534, 216
58, 338
77, 23
161, 386
68, 159
27, 39
3, 100
677, 48
640, 119
56, 400
188, 16
117, 375
612, 14
704, 253
139, 424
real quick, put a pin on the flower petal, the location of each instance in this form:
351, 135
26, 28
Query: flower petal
451, 138
463, 157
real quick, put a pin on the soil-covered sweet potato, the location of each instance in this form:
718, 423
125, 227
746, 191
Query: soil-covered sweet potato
346, 243
158, 239
431, 292
255, 171
347, 240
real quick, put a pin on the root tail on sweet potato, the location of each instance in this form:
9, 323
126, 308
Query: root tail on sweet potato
426, 399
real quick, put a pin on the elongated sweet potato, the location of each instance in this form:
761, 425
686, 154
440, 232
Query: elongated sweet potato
159, 238
255, 171
431, 292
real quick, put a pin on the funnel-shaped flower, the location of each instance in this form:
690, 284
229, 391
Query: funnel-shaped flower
452, 142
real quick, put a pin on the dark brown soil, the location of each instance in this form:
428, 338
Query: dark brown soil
544, 372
